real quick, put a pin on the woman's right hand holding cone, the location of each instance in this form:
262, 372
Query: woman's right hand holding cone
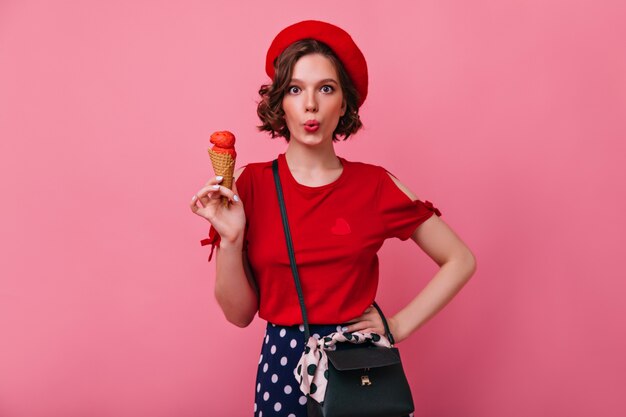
229, 221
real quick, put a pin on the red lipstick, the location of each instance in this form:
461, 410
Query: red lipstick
311, 125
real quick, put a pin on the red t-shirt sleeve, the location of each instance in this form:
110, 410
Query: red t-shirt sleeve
244, 189
400, 215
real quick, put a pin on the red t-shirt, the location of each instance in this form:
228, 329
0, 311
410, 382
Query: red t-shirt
336, 231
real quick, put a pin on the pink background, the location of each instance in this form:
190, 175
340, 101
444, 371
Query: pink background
509, 116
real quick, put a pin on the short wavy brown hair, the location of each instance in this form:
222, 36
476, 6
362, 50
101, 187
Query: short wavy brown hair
270, 109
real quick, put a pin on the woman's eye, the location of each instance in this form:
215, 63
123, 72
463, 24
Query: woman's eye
327, 89
293, 89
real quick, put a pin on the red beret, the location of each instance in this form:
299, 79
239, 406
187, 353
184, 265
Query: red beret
336, 38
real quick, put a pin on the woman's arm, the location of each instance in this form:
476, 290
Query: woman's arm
457, 265
235, 288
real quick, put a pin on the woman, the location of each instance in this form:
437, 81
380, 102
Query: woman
340, 212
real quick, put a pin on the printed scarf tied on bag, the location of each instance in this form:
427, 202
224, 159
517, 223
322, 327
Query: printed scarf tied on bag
311, 372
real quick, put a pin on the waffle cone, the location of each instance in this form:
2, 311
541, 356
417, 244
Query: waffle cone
224, 165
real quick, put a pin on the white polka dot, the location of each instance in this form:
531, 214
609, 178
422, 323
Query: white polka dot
261, 358
283, 332
315, 335
277, 406
273, 349
283, 361
302, 400
288, 389
258, 387
254, 407
265, 367
266, 396
291, 415
260, 413
293, 343
273, 325
339, 328
274, 378
301, 327
267, 339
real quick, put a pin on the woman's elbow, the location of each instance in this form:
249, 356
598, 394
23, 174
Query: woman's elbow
469, 263
239, 318
240, 321
238, 314
464, 263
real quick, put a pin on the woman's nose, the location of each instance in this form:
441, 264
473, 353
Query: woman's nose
311, 102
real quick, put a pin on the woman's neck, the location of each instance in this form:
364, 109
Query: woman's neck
313, 166
304, 158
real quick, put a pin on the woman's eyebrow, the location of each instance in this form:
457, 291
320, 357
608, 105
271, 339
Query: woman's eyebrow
325, 80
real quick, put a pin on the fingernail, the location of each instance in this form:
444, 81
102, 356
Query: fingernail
236, 198
219, 178
216, 187
194, 198
344, 329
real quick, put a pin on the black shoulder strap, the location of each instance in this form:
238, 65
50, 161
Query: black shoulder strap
292, 260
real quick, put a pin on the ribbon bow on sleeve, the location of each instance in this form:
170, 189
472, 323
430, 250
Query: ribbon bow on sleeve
430, 207
213, 240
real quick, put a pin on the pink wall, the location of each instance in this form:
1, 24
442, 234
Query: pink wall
509, 116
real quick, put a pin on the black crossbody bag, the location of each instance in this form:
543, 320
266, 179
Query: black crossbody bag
364, 381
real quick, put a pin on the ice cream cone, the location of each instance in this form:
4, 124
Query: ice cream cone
223, 156
224, 165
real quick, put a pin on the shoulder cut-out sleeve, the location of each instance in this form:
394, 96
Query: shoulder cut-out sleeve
400, 215
243, 189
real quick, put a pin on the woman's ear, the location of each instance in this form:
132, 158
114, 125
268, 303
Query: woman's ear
344, 107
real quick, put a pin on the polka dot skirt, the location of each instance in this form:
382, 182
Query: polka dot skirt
277, 393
